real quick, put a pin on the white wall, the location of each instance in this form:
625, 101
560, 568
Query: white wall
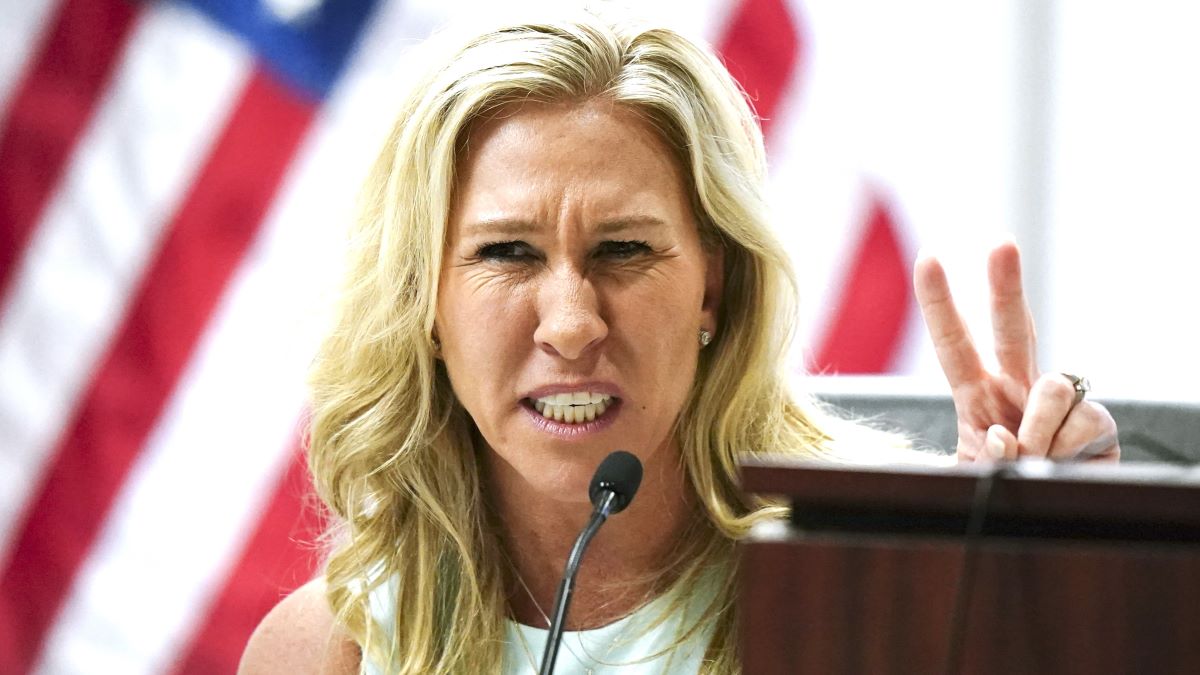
1074, 125
1125, 186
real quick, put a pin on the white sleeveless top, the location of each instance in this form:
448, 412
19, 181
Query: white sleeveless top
633, 645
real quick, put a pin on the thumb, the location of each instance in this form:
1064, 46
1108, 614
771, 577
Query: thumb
999, 445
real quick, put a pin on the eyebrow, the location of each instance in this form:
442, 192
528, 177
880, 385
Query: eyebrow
628, 222
516, 226
505, 226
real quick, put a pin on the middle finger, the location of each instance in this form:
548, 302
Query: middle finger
1012, 324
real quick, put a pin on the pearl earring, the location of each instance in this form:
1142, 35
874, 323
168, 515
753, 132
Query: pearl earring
705, 338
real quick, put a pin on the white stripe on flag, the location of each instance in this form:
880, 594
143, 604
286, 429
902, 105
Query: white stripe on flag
171, 94
21, 33
816, 195
822, 209
196, 492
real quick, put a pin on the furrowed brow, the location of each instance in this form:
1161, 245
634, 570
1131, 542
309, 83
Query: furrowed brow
515, 227
501, 226
615, 225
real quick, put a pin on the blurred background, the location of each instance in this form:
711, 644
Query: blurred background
175, 179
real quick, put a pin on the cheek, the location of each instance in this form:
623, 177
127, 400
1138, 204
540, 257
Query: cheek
666, 304
483, 334
659, 322
474, 307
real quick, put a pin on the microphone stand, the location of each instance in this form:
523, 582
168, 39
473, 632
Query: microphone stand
561, 601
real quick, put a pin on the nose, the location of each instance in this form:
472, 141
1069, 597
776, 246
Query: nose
569, 320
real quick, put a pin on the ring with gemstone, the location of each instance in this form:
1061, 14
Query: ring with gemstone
1081, 385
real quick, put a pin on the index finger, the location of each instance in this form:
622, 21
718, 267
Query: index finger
951, 339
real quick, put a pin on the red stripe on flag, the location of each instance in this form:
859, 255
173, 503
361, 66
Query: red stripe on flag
206, 241
762, 48
48, 111
870, 314
280, 556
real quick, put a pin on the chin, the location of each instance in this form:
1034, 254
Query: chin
554, 471
569, 477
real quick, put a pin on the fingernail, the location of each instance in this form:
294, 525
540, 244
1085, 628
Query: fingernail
995, 446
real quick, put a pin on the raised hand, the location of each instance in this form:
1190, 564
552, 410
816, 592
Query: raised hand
1018, 411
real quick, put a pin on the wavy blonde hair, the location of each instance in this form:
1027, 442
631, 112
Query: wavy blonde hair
392, 452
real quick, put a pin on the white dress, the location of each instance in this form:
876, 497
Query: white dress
633, 645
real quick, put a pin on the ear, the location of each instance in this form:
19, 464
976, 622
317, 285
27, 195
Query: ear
436, 342
714, 287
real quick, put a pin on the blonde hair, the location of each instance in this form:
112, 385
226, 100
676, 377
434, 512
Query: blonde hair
391, 451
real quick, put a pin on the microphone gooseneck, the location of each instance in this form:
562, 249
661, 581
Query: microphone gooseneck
613, 486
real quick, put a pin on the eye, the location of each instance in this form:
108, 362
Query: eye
622, 250
507, 251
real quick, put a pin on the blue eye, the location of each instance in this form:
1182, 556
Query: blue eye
622, 249
506, 251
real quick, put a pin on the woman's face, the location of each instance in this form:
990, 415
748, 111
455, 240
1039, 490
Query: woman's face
572, 290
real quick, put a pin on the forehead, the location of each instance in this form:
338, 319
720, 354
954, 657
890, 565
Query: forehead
595, 152
593, 118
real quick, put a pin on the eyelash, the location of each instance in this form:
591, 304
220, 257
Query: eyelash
503, 250
507, 251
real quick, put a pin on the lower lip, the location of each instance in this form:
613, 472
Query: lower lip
564, 430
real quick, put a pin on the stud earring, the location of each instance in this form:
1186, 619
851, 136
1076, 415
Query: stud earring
705, 338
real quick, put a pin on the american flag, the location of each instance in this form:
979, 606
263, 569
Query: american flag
175, 178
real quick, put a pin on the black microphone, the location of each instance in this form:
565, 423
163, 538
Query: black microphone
613, 486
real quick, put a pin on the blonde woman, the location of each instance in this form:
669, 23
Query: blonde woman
564, 250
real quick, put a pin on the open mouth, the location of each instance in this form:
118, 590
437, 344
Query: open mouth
578, 407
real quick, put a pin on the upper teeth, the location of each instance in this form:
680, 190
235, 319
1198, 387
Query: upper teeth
574, 398
572, 407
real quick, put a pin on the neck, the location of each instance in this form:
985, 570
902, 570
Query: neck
621, 567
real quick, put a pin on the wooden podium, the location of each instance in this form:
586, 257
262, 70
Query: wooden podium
1070, 569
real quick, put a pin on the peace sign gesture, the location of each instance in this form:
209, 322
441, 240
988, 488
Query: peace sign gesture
1018, 411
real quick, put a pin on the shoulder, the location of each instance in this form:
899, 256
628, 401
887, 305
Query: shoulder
299, 636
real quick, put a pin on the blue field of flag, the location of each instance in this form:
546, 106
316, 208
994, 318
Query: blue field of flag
305, 43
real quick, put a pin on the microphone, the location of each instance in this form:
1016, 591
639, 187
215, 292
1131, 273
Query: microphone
620, 474
613, 486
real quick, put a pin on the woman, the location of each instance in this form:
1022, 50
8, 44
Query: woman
564, 251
